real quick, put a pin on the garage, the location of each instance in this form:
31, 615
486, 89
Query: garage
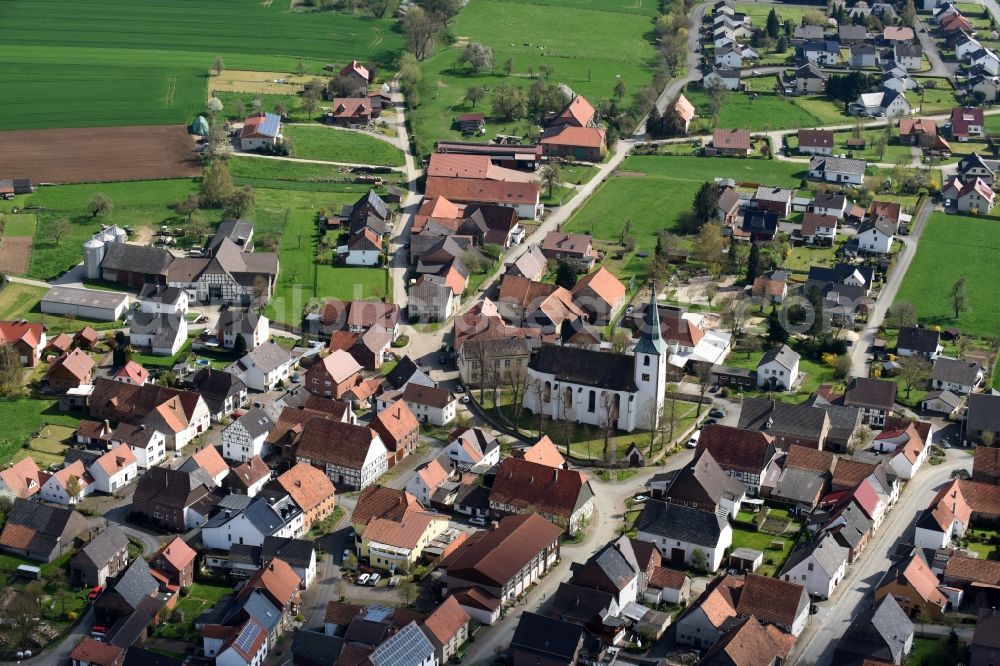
85, 303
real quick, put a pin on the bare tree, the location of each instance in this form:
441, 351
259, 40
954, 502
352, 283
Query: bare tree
550, 176
734, 316
99, 204
420, 31
538, 389
58, 229
517, 382
187, 206
218, 65
957, 297
621, 340
609, 411
900, 314
704, 373
11, 373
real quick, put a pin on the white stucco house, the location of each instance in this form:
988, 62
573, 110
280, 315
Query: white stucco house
680, 531
263, 368
114, 470
242, 520
876, 236
818, 566
778, 368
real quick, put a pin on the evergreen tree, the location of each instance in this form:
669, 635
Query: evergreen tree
815, 296
776, 333
782, 44
773, 24
565, 276
706, 202
753, 263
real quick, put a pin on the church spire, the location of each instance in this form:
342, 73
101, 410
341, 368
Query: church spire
650, 337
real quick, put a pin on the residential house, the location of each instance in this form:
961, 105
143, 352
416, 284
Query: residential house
837, 169
852, 34
174, 499
530, 265
776, 200
874, 397
679, 531
351, 455
409, 641
864, 55
246, 437
349, 111
973, 166
39, 531
906, 448
772, 286
103, 558
472, 449
361, 249
262, 130
967, 123
131, 373
397, 545
945, 519
162, 333
332, 376
814, 141
919, 341
600, 294
208, 461
246, 644
27, 338
918, 131
986, 85
723, 76
502, 563
156, 298
69, 371
821, 52
399, 429
253, 328
263, 368
729, 206
431, 298
750, 642
703, 484
731, 142
114, 470
92, 652
828, 203
174, 563
986, 465
223, 392
909, 56
810, 79
69, 485
883, 103
21, 479
248, 478
970, 196
426, 479
876, 236
744, 455
563, 497
407, 372
851, 528
685, 111
244, 520
778, 369
666, 585
576, 249
789, 424
447, 628
537, 304
959, 377
983, 416
501, 357
310, 489
706, 620
781, 603
984, 648
879, 634
818, 566
818, 229
914, 586
428, 403
148, 445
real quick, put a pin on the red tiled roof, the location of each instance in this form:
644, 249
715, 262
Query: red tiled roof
770, 599
731, 139
406, 533
27, 332
544, 452
116, 459
803, 457
394, 423
97, 653
667, 578
986, 461
481, 190
983, 498
604, 284
210, 461
19, 477
530, 486
351, 107
578, 111
973, 570
578, 137
382, 502
736, 448
177, 553
445, 622
308, 486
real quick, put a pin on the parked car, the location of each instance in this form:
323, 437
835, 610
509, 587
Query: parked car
709, 422
374, 579
477, 520
639, 499
95, 592
717, 413
363, 579
465, 399
693, 442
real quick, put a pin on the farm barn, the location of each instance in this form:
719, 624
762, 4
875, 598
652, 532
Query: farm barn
85, 303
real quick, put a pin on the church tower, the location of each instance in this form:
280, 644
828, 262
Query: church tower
650, 367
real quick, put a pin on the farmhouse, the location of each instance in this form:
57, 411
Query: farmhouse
94, 304
679, 531
579, 143
260, 131
522, 197
179, 415
230, 275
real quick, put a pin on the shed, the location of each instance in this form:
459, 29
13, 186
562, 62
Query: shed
97, 305
471, 123
199, 126
634, 456
856, 144
746, 559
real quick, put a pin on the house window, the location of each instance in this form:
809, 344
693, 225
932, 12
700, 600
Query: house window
592, 401
645, 377
645, 361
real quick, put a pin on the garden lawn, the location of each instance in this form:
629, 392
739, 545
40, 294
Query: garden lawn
828, 111
560, 33
284, 174
952, 247
315, 142
773, 559
117, 62
894, 151
20, 225
23, 417
768, 112
758, 12
652, 191
932, 651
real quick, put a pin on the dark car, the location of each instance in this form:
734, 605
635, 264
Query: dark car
709, 422
717, 413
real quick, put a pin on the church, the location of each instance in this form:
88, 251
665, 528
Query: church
594, 387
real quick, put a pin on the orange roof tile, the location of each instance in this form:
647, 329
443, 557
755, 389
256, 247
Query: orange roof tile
445, 622
17, 536
404, 533
97, 653
116, 459
178, 553
544, 452
432, 474
395, 422
22, 478
308, 486
604, 284
210, 461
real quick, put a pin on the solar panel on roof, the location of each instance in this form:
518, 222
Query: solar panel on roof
406, 648
247, 637
378, 613
269, 125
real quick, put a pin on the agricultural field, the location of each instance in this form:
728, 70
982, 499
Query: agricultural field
652, 191
98, 154
315, 142
767, 112
115, 62
524, 31
18, 233
954, 246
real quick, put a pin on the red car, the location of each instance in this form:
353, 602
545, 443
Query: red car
95, 592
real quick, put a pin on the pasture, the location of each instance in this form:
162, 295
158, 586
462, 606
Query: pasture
116, 62
767, 112
316, 142
99, 154
654, 190
559, 33
954, 246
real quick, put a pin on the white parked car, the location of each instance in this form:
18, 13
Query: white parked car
363, 579
477, 520
374, 579
693, 442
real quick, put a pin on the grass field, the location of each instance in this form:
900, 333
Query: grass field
654, 200
282, 174
758, 12
525, 32
768, 112
893, 150
337, 145
23, 417
116, 62
20, 225
954, 246
827, 111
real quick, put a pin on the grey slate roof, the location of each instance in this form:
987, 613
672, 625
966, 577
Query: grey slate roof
918, 339
315, 647
799, 485
681, 523
136, 583
256, 422
825, 550
867, 392
158, 293
837, 165
259, 607
782, 418
136, 259
575, 365
269, 356
884, 227
554, 639
955, 371
983, 413
580, 604
783, 355
529, 263
162, 326
103, 547
877, 633
402, 373
296, 553
856, 526
947, 397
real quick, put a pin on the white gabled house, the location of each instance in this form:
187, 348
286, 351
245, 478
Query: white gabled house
149, 445
681, 531
876, 236
240, 519
907, 449
473, 449
264, 368
245, 437
59, 488
778, 368
114, 470
818, 566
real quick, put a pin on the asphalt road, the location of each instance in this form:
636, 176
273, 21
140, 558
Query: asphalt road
816, 644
